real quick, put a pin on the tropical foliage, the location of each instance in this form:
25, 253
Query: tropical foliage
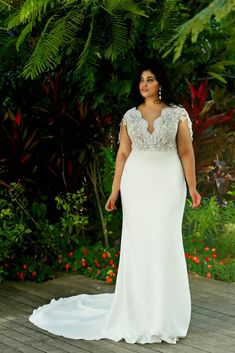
68, 75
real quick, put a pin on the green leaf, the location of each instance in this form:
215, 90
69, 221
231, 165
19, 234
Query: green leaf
217, 76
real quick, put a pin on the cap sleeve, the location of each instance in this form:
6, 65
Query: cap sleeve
123, 122
182, 116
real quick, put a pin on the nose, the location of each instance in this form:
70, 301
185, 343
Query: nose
144, 83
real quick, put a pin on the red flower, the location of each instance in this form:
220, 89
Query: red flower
34, 274
85, 251
104, 255
25, 267
213, 249
109, 279
110, 262
67, 267
70, 254
214, 255
59, 260
99, 272
206, 248
199, 240
207, 258
20, 275
208, 275
97, 263
83, 262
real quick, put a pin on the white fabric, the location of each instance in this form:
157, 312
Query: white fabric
152, 301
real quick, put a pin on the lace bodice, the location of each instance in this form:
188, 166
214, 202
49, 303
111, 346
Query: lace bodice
163, 137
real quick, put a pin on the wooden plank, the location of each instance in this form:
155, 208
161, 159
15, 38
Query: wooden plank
7, 349
211, 328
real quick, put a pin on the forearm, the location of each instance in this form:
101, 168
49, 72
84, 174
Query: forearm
119, 166
188, 163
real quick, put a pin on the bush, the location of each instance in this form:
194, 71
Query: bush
27, 237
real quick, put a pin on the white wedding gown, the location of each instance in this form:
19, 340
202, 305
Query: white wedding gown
152, 301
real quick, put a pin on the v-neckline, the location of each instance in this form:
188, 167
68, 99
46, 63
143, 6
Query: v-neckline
147, 123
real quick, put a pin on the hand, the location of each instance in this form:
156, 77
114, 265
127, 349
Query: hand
110, 204
196, 198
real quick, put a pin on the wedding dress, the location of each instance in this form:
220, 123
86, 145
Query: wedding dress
152, 301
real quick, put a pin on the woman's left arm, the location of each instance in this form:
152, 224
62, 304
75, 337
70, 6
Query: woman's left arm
187, 157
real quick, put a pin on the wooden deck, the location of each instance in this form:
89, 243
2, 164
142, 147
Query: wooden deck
212, 327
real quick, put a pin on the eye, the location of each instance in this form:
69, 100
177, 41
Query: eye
150, 79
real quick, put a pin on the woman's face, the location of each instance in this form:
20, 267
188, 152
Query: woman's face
148, 84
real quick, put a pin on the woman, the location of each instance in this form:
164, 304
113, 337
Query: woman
151, 302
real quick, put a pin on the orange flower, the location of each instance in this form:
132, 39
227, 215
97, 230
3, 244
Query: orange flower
209, 266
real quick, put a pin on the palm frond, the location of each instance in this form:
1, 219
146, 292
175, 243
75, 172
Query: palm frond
30, 11
167, 18
47, 49
28, 29
218, 9
129, 6
85, 53
117, 36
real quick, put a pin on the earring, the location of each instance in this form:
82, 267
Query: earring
160, 93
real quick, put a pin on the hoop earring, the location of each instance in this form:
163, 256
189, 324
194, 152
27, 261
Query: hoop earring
160, 93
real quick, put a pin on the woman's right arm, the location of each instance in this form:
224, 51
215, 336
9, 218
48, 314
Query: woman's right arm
122, 155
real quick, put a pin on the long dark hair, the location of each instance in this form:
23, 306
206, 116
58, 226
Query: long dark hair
157, 68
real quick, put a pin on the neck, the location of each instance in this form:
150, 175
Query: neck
152, 101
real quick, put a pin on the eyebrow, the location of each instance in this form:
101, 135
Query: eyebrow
148, 76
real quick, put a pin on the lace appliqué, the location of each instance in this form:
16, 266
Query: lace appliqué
183, 115
165, 127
